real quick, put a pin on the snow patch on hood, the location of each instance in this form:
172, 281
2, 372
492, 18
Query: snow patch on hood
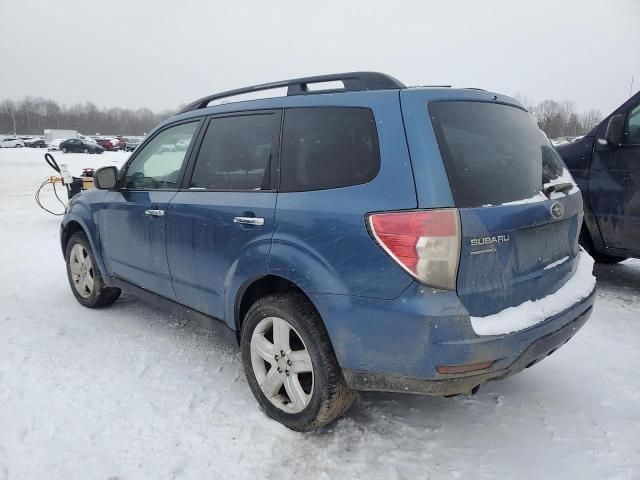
532, 312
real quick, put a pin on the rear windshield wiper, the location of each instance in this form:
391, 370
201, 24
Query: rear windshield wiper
563, 187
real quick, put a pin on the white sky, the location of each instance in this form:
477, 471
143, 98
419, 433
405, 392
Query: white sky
161, 53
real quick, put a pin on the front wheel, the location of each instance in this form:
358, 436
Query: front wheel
86, 150
64, 149
290, 364
83, 274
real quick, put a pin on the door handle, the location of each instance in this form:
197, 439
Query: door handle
249, 220
154, 213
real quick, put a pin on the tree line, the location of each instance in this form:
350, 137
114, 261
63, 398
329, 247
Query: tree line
561, 119
32, 115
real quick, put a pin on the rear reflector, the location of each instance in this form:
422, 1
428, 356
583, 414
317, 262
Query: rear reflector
426, 243
469, 367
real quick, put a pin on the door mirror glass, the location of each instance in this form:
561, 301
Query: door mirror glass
613, 134
106, 178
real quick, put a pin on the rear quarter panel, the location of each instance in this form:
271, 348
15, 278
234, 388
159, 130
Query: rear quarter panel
321, 241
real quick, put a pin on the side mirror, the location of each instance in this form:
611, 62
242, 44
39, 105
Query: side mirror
105, 178
613, 133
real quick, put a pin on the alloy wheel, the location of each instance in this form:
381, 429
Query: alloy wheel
81, 270
282, 365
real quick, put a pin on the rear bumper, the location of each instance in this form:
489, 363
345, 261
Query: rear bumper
402, 353
456, 384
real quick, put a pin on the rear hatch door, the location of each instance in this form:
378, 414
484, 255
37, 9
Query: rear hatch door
520, 212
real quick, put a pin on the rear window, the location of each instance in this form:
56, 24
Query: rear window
236, 153
493, 153
328, 147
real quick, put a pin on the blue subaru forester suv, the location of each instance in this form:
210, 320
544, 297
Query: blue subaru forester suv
364, 236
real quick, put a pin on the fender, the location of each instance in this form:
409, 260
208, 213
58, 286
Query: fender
82, 215
580, 158
242, 272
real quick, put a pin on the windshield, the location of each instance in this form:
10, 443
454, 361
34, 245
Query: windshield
493, 153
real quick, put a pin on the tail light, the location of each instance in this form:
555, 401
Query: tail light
426, 243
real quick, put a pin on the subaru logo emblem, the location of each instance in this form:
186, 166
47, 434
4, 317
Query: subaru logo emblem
557, 210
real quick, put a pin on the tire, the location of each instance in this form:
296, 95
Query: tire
18, 146
86, 150
326, 394
64, 149
93, 295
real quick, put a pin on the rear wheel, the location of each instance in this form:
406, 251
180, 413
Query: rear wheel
290, 364
64, 149
83, 274
86, 150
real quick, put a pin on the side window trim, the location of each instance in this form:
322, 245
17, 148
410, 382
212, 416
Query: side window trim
275, 159
123, 171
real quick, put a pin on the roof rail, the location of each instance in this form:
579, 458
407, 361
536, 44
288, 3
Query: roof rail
352, 81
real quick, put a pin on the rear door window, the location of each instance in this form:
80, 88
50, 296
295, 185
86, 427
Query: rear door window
493, 153
237, 153
328, 147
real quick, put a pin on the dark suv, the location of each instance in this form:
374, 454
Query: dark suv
369, 237
606, 165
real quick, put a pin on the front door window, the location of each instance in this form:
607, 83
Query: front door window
157, 166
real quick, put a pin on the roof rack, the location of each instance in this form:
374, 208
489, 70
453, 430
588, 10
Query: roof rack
352, 81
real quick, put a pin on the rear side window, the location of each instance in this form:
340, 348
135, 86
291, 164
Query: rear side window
237, 152
493, 153
328, 147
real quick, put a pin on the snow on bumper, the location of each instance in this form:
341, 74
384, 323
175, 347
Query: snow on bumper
532, 312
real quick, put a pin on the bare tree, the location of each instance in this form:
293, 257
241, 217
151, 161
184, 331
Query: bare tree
33, 115
560, 119
8, 109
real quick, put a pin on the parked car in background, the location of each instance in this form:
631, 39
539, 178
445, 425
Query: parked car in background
376, 237
11, 142
131, 144
80, 146
54, 144
35, 143
606, 165
108, 144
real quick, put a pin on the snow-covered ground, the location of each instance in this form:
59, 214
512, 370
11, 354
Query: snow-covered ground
129, 392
